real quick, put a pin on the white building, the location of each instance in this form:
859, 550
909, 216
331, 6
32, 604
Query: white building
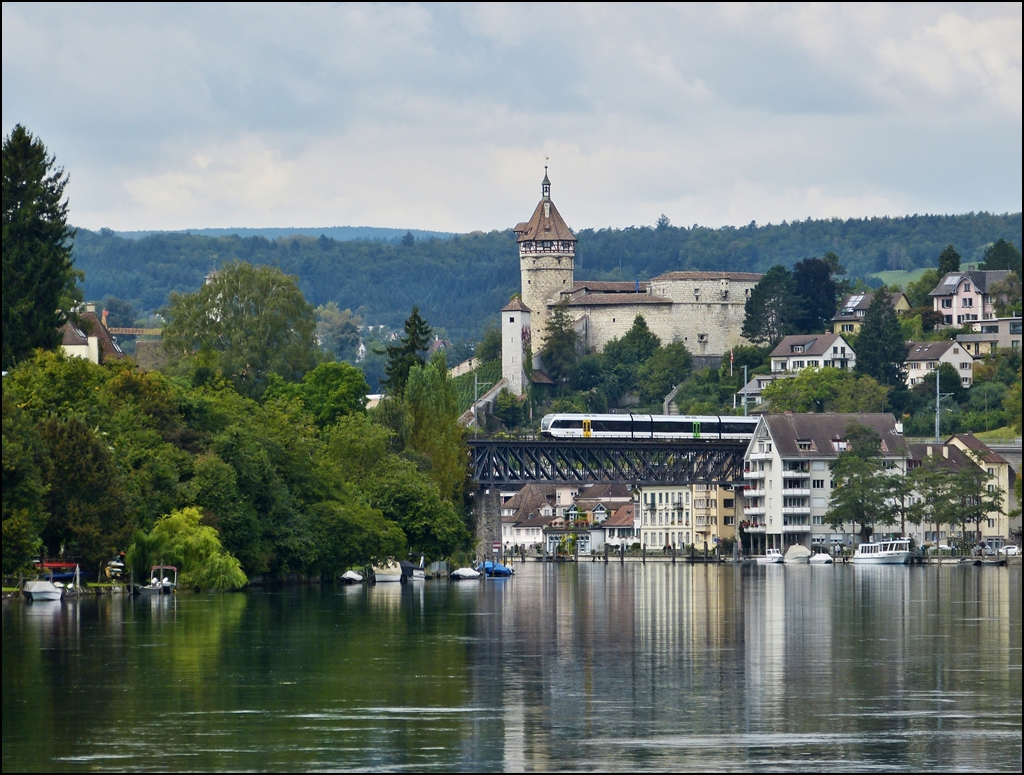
923, 358
812, 351
788, 482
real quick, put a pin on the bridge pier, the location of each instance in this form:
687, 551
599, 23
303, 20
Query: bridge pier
487, 510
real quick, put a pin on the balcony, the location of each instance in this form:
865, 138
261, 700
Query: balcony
796, 528
804, 491
754, 474
760, 455
788, 474
754, 493
796, 510
755, 511
755, 529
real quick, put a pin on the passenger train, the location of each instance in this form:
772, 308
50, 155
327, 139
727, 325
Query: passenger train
647, 426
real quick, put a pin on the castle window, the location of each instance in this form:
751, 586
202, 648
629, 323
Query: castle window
511, 319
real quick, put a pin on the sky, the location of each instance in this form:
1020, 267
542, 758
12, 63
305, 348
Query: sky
442, 117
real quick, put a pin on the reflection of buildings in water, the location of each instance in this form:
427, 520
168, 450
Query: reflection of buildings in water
764, 615
54, 622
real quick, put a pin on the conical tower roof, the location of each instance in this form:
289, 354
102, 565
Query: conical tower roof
546, 223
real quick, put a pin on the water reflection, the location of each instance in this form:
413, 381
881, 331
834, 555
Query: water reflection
564, 666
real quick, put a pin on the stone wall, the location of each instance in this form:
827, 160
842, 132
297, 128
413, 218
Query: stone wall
544, 276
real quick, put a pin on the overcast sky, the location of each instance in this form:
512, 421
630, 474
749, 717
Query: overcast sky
442, 117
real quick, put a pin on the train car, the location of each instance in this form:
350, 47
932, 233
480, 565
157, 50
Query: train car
647, 426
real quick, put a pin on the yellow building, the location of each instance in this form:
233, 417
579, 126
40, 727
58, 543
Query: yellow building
851, 312
1000, 476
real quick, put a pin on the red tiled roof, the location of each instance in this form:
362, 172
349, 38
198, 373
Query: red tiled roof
516, 305
687, 275
608, 299
543, 226
623, 517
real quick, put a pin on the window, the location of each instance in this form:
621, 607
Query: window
804, 446
847, 328
511, 319
964, 366
967, 287
947, 304
818, 484
967, 302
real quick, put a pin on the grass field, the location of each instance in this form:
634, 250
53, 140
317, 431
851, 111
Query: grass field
900, 277
1005, 433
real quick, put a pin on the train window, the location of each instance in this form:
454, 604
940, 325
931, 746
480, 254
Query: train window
736, 427
665, 426
567, 424
642, 427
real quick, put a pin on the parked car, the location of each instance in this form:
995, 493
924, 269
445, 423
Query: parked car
1010, 550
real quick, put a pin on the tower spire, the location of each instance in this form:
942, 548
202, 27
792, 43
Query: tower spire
545, 186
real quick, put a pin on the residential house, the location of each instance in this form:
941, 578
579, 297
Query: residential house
954, 459
925, 357
787, 476
621, 528
665, 518
851, 312
87, 337
804, 351
999, 475
989, 336
753, 391
963, 297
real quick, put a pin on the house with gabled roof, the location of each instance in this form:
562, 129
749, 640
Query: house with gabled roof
923, 358
787, 479
812, 351
850, 315
999, 475
963, 296
86, 336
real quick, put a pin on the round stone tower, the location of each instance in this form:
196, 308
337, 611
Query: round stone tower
547, 248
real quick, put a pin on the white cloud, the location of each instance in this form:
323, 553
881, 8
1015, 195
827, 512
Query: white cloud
440, 117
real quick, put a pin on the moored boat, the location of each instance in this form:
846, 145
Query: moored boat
821, 558
159, 582
351, 577
894, 552
40, 591
797, 555
495, 569
387, 574
771, 557
465, 574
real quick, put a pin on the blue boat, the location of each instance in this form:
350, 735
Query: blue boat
494, 569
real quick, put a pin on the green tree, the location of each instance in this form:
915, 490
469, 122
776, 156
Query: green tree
23, 488
333, 390
826, 390
949, 261
560, 352
857, 497
1002, 255
351, 534
195, 549
508, 408
814, 285
39, 280
635, 347
771, 309
338, 331
434, 430
880, 347
1006, 294
667, 367
917, 292
408, 353
489, 348
253, 320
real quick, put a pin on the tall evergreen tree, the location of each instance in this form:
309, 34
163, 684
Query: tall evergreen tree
407, 353
1002, 255
771, 308
38, 276
880, 347
949, 261
560, 352
812, 280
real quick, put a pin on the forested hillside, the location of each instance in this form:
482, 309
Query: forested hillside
461, 282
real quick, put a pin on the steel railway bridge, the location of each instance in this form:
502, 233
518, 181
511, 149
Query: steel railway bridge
690, 461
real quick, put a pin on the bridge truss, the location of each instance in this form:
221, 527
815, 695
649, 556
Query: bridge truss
498, 461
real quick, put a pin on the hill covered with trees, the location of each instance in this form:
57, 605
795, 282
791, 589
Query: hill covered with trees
461, 282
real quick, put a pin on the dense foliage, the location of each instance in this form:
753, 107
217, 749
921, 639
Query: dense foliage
38, 276
460, 283
304, 482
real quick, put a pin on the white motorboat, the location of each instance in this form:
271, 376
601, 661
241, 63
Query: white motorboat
463, 574
821, 558
895, 552
412, 572
37, 591
351, 577
390, 573
159, 582
797, 555
771, 557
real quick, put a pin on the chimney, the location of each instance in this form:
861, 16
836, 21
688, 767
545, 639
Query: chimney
945, 451
105, 319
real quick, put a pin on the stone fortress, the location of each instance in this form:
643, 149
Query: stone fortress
704, 310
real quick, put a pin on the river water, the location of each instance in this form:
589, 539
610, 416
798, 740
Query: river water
580, 667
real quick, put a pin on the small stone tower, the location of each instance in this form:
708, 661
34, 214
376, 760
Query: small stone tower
515, 338
547, 249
